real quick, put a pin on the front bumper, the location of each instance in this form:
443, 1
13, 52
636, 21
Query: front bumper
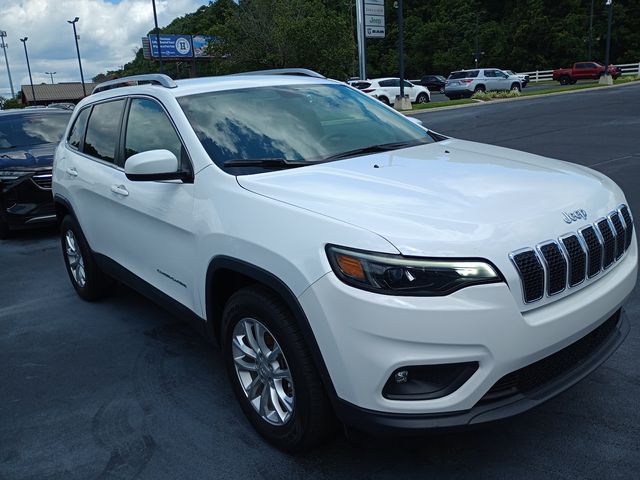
364, 337
27, 201
393, 423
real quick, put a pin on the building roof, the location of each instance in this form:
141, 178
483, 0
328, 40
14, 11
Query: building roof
46, 92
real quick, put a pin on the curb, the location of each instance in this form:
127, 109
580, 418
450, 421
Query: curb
516, 99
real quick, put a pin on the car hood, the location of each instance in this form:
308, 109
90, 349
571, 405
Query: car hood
450, 198
32, 157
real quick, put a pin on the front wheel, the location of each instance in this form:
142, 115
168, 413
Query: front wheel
85, 275
516, 87
565, 80
422, 98
272, 372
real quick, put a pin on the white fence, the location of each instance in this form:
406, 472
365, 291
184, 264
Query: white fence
545, 75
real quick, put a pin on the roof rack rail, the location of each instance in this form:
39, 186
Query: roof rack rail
150, 78
301, 72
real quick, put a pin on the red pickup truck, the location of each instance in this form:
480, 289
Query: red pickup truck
583, 71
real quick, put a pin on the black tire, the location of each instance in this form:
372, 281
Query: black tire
422, 98
565, 80
384, 100
96, 284
516, 86
480, 88
312, 420
573, 82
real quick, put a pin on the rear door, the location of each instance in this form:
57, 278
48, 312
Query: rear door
491, 82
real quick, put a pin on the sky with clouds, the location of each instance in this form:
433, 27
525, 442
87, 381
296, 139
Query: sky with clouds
109, 30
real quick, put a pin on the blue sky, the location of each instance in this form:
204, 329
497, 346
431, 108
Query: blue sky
109, 30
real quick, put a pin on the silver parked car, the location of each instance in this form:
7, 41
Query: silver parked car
465, 83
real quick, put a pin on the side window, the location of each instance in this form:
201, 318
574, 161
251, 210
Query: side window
103, 130
77, 130
582, 65
386, 83
149, 128
490, 73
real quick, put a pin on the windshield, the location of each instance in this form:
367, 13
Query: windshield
24, 130
302, 123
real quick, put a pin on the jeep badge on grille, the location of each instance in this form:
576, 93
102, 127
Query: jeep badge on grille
574, 216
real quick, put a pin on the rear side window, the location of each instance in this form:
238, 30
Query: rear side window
390, 83
75, 136
149, 128
361, 85
103, 130
464, 74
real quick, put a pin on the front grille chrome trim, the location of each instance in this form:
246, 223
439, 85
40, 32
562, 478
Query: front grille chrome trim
586, 238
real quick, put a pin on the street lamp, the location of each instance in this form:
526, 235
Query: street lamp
75, 36
155, 21
6, 60
24, 44
51, 74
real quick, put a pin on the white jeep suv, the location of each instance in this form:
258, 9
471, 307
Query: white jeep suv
351, 263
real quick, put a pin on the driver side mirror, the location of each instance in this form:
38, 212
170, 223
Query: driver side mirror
153, 165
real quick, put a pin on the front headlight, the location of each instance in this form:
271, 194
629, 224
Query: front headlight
409, 276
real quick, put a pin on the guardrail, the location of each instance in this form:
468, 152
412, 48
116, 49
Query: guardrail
546, 75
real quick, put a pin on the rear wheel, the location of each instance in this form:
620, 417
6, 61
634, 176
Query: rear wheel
85, 275
272, 372
422, 98
479, 88
384, 100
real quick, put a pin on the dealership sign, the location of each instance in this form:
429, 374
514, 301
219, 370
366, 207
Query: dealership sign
374, 26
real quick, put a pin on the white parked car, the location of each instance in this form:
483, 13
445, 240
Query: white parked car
351, 263
386, 90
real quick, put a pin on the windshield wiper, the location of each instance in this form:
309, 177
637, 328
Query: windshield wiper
266, 163
383, 147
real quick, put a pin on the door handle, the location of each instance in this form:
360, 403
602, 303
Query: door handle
72, 171
120, 190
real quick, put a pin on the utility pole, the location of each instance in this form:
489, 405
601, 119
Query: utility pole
477, 54
24, 44
4, 46
75, 36
607, 77
591, 31
155, 21
51, 74
362, 55
401, 42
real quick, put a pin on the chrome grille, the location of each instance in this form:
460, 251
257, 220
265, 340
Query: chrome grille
555, 265
43, 180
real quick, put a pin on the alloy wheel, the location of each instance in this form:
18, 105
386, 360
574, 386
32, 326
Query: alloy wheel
263, 371
75, 259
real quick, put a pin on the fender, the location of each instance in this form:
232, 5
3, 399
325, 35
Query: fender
214, 315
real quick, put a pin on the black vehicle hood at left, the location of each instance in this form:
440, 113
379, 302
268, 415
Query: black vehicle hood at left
32, 157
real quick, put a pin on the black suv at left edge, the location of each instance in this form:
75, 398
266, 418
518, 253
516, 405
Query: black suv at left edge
28, 139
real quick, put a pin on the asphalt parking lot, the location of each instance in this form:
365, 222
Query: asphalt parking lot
121, 389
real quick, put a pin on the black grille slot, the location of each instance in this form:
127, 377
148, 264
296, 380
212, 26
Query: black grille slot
609, 243
531, 273
624, 211
543, 371
42, 180
594, 249
556, 268
577, 260
620, 234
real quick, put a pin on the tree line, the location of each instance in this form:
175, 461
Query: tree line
439, 36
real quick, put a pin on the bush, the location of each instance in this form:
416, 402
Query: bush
488, 96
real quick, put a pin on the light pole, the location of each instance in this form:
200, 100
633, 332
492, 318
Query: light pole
155, 21
591, 30
6, 60
401, 44
607, 77
51, 74
75, 37
24, 44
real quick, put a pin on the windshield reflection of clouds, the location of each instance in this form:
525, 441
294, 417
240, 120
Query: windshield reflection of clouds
25, 130
306, 122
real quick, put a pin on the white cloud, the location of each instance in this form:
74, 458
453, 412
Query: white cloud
110, 33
